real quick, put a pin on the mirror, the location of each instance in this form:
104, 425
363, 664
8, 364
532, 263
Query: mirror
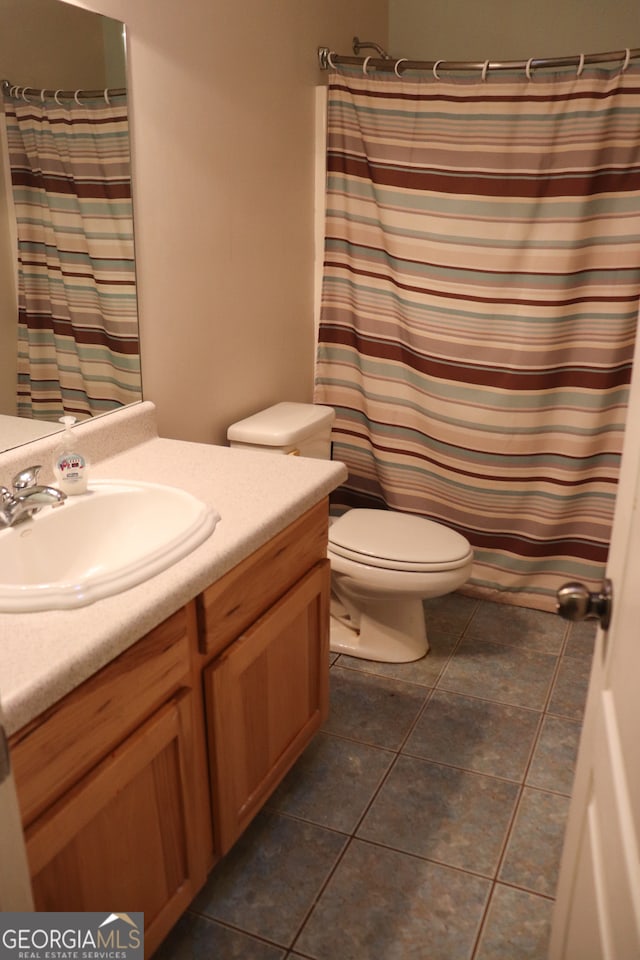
45, 44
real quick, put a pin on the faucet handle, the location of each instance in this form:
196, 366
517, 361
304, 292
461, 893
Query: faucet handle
26, 478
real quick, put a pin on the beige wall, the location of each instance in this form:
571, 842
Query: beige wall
222, 107
510, 29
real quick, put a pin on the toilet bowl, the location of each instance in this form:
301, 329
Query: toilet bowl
384, 563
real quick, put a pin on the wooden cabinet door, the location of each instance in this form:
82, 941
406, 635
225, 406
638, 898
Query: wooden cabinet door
122, 837
266, 695
56, 749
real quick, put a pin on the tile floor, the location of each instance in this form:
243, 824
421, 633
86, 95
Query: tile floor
426, 818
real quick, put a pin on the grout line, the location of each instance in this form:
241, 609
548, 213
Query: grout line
521, 889
566, 638
476, 607
385, 676
470, 770
323, 886
523, 782
235, 929
483, 922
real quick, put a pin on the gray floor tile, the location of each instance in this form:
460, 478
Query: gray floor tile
268, 881
581, 640
443, 813
371, 709
569, 693
480, 735
518, 926
384, 904
449, 614
498, 671
424, 671
504, 623
333, 782
554, 760
533, 853
196, 938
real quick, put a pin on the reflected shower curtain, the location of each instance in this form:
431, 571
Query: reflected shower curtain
78, 347
480, 295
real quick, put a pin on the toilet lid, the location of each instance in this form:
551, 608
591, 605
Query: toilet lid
399, 541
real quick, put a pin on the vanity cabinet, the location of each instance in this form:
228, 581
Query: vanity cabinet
136, 782
110, 787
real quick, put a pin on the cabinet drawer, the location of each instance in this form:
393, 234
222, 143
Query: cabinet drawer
235, 601
62, 744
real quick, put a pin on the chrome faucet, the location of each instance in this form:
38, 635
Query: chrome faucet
27, 497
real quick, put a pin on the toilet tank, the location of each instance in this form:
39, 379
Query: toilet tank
294, 428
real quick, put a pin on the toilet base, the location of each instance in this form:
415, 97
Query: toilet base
392, 631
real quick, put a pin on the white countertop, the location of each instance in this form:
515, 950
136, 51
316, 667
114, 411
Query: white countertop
45, 655
17, 430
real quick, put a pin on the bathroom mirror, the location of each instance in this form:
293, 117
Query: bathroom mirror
46, 44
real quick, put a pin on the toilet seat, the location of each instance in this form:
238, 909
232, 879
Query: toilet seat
391, 540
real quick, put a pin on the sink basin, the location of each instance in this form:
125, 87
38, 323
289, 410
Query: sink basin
110, 538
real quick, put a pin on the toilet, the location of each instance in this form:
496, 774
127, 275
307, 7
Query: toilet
384, 563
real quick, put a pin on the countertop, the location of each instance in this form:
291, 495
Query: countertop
45, 655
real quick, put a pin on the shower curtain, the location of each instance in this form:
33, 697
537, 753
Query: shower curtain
479, 303
78, 347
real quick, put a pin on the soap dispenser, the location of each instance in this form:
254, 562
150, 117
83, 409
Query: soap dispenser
71, 467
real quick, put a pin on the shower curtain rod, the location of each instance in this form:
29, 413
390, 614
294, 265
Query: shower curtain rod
31, 94
384, 61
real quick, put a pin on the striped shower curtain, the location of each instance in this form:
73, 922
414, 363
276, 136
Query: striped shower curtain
78, 346
479, 304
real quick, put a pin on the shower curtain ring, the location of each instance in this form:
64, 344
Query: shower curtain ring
484, 70
435, 69
364, 65
330, 60
55, 97
24, 94
106, 96
75, 97
42, 93
627, 57
397, 64
528, 68
580, 66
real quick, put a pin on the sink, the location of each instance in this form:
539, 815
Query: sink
114, 536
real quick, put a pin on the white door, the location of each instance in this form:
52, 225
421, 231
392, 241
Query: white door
15, 887
597, 911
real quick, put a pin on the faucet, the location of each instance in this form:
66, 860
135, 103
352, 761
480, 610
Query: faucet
27, 497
